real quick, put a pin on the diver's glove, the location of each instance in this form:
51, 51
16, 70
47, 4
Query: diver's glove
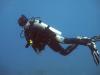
96, 56
27, 45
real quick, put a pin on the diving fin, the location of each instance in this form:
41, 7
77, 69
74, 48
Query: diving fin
96, 57
96, 38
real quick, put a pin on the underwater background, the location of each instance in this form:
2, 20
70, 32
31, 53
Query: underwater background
71, 17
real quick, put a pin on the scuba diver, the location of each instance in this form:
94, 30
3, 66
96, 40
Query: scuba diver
39, 34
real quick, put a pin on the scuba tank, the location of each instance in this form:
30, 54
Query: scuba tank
44, 25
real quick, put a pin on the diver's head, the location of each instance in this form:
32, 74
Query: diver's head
22, 20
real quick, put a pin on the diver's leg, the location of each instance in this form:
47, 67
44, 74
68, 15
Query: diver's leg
77, 40
94, 52
68, 50
55, 45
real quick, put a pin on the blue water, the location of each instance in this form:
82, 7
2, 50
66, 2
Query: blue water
72, 17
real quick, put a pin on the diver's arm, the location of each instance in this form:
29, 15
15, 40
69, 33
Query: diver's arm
28, 38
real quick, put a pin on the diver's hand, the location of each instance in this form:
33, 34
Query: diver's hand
27, 45
30, 42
